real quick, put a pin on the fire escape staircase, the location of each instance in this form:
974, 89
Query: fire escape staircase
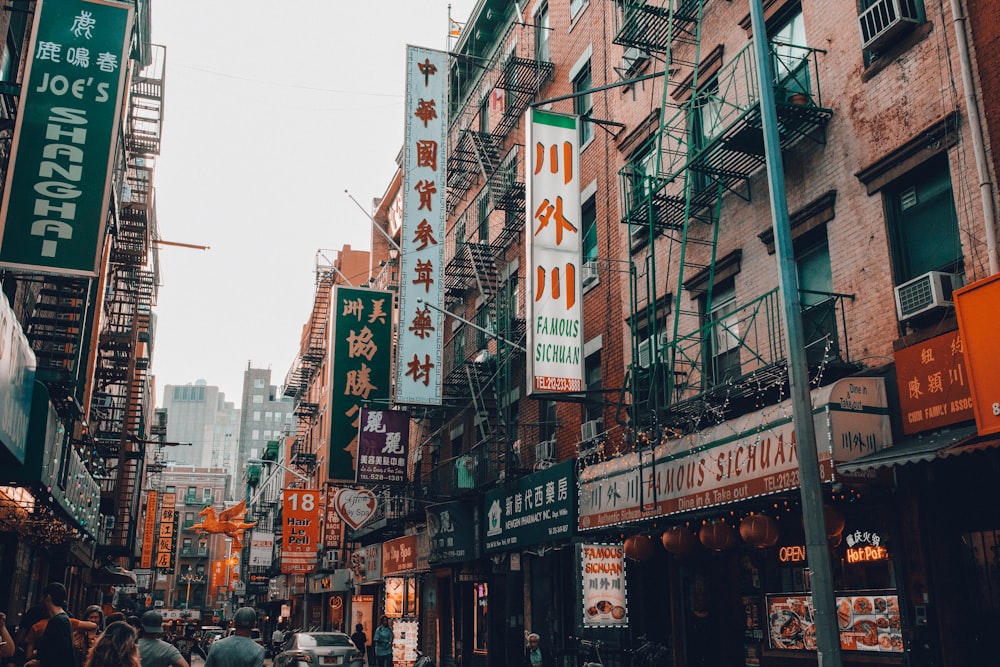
708, 146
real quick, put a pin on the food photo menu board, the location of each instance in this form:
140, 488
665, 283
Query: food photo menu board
868, 621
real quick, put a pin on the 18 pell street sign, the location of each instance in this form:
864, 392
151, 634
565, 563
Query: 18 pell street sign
55, 202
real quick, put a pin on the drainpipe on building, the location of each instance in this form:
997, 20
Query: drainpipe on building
976, 128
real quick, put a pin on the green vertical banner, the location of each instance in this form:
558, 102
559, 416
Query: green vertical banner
55, 202
360, 370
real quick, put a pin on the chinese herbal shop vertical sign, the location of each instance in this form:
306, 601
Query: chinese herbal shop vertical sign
383, 444
300, 513
55, 202
418, 368
605, 600
361, 346
553, 251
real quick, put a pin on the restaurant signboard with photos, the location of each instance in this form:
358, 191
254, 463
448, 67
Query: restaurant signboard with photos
421, 285
605, 598
867, 620
361, 354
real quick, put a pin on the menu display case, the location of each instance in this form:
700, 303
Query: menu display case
868, 621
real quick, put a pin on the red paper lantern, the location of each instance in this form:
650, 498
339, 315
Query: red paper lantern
759, 530
678, 540
639, 547
717, 535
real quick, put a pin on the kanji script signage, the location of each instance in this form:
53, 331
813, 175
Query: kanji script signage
605, 602
166, 536
451, 528
333, 527
55, 203
553, 251
421, 289
361, 345
933, 384
300, 514
383, 444
976, 306
149, 532
535, 508
261, 548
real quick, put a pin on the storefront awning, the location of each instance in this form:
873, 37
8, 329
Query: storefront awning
923, 447
113, 576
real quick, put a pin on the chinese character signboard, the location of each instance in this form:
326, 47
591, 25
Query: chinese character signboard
300, 513
261, 548
976, 307
167, 533
933, 384
451, 529
383, 444
534, 509
333, 526
58, 187
605, 602
361, 347
553, 251
149, 532
421, 288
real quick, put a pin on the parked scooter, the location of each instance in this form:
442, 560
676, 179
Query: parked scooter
423, 660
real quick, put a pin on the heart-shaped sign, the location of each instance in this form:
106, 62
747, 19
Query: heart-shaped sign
355, 506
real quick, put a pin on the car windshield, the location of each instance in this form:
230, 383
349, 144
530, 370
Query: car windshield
323, 639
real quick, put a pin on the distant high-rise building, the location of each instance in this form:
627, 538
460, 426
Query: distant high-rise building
266, 415
199, 413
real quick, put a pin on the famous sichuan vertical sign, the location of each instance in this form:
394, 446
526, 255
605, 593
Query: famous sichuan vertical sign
553, 247
56, 199
421, 288
361, 353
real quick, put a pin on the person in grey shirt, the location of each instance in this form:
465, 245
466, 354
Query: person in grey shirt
153, 651
238, 650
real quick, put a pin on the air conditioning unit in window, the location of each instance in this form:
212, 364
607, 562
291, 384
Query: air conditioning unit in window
646, 350
589, 272
925, 294
633, 58
885, 20
589, 430
545, 453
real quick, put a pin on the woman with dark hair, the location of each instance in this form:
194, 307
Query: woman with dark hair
117, 647
84, 639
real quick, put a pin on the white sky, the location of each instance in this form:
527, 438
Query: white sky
272, 110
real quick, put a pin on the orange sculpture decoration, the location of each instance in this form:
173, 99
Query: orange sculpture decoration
229, 522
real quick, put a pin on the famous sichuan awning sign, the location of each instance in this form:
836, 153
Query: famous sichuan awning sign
553, 250
56, 198
361, 345
421, 289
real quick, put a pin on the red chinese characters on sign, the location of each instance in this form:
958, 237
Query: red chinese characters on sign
550, 212
933, 385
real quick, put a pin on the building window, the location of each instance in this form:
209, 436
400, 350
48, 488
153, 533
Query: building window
583, 103
258, 383
549, 420
206, 494
575, 7
256, 415
819, 307
791, 55
922, 221
188, 518
483, 320
724, 335
483, 212
542, 34
588, 221
171, 489
255, 434
192, 492
258, 399
594, 407
641, 175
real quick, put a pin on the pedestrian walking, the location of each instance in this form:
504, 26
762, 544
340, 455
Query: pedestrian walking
117, 646
6, 641
382, 639
534, 655
55, 648
153, 651
360, 640
84, 639
238, 649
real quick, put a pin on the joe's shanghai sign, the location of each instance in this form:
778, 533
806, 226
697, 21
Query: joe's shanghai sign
59, 180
